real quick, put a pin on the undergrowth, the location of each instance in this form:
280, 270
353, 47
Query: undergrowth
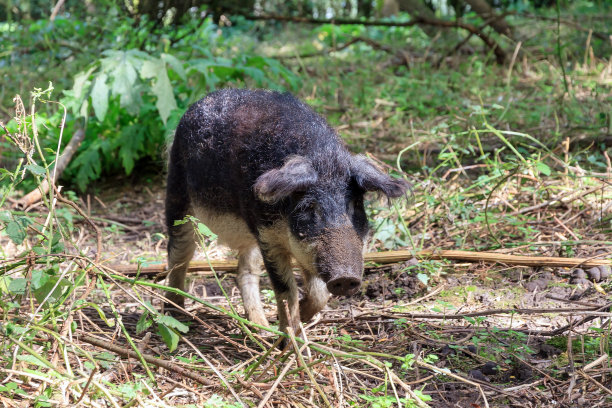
53, 286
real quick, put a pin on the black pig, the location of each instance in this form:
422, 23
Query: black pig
268, 175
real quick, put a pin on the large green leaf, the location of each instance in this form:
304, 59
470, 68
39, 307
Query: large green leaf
80, 82
175, 64
99, 96
52, 290
124, 84
162, 88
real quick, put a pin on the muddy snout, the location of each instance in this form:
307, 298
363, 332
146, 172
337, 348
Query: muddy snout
343, 285
340, 260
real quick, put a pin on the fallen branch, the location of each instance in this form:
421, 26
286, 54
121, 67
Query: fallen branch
35, 195
394, 257
123, 352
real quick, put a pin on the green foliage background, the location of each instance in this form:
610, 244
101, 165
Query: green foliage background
126, 75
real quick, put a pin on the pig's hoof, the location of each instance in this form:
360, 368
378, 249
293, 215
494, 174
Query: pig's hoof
309, 308
283, 344
261, 321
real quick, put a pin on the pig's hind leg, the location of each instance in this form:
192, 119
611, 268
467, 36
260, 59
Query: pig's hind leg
248, 283
181, 246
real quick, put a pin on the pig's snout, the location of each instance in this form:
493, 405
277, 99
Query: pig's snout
340, 261
343, 285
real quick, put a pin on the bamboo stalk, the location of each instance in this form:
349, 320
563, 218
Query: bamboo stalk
398, 256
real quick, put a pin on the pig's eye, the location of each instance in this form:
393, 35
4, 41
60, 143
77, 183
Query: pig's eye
314, 208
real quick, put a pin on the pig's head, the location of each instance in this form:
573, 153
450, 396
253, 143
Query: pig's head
326, 215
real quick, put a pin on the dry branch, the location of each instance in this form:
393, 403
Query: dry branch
394, 257
149, 359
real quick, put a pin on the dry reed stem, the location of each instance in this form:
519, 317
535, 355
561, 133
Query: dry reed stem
387, 257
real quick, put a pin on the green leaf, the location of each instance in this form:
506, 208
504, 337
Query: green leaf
170, 337
5, 281
99, 97
143, 323
470, 320
80, 80
175, 64
161, 88
543, 168
124, 81
424, 278
204, 230
89, 165
4, 173
39, 279
32, 360
36, 169
16, 232
48, 292
131, 142
172, 322
255, 73
5, 216
109, 322
17, 286
84, 109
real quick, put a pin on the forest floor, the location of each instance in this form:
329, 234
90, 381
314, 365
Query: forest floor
464, 334
507, 159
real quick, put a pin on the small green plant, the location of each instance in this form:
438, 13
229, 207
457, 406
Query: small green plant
349, 341
401, 324
269, 296
444, 306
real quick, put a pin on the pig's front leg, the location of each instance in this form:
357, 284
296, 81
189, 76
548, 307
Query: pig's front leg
315, 297
278, 265
248, 283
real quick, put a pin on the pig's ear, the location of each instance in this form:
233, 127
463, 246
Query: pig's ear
296, 175
371, 178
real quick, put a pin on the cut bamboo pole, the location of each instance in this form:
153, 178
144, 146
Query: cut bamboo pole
398, 256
